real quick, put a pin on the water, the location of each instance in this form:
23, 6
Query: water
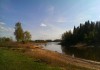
53, 46
90, 53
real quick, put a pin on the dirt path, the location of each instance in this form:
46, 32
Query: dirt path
55, 58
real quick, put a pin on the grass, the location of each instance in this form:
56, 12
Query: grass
15, 60
10, 60
54, 61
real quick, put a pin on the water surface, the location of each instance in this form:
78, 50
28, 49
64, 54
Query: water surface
90, 53
53, 46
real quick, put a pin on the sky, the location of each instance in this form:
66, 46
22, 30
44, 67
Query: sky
46, 19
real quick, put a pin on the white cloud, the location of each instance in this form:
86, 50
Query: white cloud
10, 29
50, 32
2, 23
43, 25
1, 28
6, 31
4, 28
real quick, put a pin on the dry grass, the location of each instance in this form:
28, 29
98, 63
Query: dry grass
19, 45
52, 58
57, 59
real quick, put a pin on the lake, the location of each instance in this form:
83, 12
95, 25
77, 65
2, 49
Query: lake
90, 53
53, 46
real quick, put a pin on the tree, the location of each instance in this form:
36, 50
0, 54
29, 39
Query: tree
5, 39
88, 33
19, 32
67, 37
27, 36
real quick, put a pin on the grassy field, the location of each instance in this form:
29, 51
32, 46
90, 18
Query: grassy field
10, 60
13, 59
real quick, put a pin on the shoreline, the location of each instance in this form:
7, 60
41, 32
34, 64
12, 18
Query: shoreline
53, 58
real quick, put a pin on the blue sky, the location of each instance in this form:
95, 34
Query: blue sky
46, 19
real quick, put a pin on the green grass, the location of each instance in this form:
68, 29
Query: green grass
10, 60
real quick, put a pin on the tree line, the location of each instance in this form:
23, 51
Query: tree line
88, 33
5, 39
49, 40
23, 36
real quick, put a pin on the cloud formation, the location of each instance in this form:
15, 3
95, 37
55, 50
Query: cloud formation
5, 28
6, 31
50, 32
2, 23
43, 25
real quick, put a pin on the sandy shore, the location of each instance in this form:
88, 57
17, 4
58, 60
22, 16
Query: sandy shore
55, 58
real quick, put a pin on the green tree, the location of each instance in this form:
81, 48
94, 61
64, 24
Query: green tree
5, 39
19, 32
27, 36
67, 37
88, 33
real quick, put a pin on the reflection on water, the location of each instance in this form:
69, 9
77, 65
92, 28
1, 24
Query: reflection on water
53, 46
90, 53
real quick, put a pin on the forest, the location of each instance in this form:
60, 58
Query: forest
88, 33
